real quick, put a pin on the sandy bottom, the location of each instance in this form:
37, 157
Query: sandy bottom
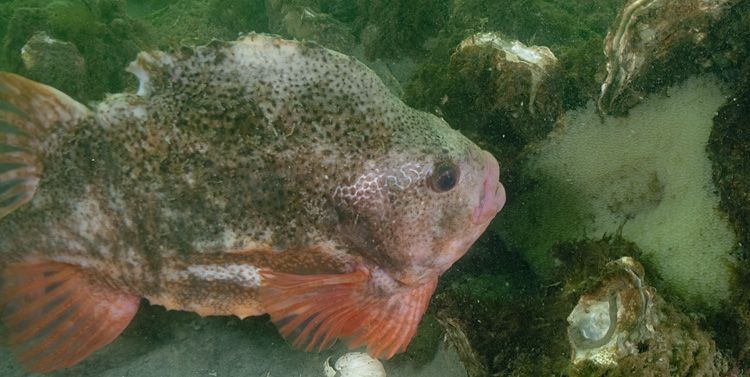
165, 344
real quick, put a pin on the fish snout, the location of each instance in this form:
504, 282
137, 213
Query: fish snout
492, 192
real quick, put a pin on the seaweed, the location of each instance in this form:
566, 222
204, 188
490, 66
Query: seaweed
101, 31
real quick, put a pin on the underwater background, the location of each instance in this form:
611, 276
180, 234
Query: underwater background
622, 129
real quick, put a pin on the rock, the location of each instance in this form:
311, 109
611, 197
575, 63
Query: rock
305, 23
100, 31
622, 326
54, 62
609, 322
505, 91
654, 43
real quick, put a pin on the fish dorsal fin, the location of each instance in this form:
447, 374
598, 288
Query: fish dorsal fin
313, 311
29, 113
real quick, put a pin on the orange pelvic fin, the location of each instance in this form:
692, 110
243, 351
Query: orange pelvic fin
313, 311
56, 315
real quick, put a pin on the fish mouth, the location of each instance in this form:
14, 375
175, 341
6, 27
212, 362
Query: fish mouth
492, 195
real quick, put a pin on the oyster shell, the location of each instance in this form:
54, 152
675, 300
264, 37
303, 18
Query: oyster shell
653, 43
502, 92
609, 322
54, 62
622, 325
354, 364
514, 60
306, 23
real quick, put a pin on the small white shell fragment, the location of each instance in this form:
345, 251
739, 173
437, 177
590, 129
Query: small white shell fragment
354, 364
540, 58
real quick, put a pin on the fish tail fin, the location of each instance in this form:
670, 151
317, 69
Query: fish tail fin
29, 113
313, 311
56, 315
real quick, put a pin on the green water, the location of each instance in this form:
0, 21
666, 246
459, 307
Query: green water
502, 309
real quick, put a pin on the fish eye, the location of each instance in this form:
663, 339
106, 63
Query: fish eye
444, 177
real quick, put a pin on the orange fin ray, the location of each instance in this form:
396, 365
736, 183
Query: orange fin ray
313, 311
37, 302
29, 113
33, 285
56, 315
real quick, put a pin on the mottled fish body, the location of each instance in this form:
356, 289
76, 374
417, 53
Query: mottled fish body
243, 178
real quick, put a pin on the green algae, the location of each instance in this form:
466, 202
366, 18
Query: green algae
188, 22
574, 31
515, 321
729, 146
678, 345
104, 35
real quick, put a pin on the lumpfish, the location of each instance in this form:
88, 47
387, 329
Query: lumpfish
242, 178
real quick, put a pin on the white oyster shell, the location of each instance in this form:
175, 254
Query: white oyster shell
354, 364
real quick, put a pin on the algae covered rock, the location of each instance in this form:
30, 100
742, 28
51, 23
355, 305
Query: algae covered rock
609, 322
101, 31
602, 316
655, 43
54, 62
499, 317
305, 23
502, 92
389, 28
729, 148
623, 326
189, 22
573, 31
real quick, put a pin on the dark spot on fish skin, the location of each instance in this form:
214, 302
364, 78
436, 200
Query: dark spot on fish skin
261, 161
219, 57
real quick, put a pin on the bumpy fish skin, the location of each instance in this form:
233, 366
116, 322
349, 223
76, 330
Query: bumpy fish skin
237, 161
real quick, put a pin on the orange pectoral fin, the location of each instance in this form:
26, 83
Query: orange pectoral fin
29, 113
313, 311
55, 316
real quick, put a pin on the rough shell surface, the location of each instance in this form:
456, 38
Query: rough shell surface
502, 93
354, 364
515, 59
652, 43
611, 321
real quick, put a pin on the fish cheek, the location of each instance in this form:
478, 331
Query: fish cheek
452, 226
451, 220
363, 233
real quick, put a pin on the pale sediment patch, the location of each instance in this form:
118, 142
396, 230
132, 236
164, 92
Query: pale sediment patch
647, 174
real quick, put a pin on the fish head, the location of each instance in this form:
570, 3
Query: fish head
418, 207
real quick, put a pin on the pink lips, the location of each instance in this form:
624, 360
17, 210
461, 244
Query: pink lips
493, 192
